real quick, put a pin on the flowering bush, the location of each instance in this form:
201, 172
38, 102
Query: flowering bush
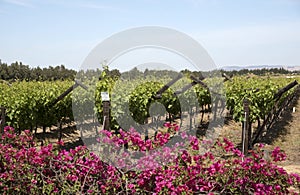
26, 169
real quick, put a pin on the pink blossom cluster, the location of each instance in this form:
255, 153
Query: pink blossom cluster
27, 169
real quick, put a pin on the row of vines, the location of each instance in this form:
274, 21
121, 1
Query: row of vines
29, 104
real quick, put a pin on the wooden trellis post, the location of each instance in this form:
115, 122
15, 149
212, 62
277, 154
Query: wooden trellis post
246, 131
106, 107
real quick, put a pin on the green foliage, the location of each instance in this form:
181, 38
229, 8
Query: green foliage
259, 90
28, 103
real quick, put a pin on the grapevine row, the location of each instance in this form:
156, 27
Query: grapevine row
27, 103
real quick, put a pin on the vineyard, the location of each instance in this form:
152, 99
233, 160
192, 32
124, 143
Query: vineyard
29, 105
183, 102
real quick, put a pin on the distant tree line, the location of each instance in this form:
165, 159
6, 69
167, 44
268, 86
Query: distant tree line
19, 71
136, 73
260, 72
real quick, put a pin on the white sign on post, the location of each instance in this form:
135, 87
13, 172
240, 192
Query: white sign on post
105, 96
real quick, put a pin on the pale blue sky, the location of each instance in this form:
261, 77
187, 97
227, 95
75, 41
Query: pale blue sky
234, 32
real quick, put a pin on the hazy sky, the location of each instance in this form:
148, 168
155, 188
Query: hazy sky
234, 32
